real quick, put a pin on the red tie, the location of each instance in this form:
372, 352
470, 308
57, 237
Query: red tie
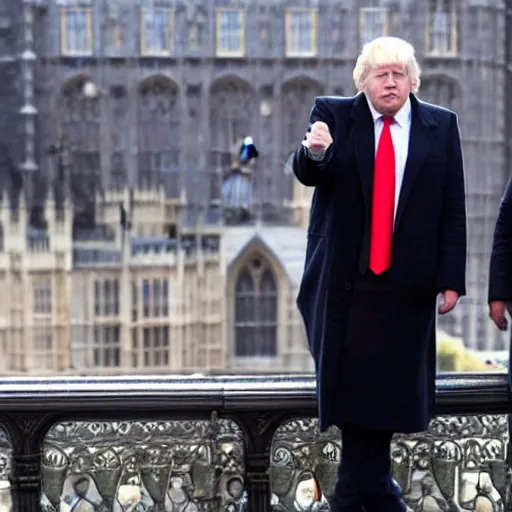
383, 206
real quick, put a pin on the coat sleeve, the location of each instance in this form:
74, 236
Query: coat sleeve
453, 235
500, 274
309, 172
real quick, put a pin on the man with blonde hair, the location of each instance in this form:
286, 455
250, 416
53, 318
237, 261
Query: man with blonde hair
387, 235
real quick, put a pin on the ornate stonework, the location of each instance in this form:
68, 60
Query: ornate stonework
459, 464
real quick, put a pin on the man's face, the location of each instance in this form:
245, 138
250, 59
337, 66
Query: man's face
388, 88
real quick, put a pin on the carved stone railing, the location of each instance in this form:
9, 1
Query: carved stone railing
229, 443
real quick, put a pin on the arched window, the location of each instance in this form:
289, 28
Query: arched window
443, 29
159, 135
232, 115
80, 125
256, 311
298, 96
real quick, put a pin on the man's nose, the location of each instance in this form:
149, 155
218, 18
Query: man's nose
390, 81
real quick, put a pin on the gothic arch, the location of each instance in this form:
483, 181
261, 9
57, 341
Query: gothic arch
232, 100
158, 78
220, 81
158, 134
441, 89
256, 283
297, 97
304, 79
232, 116
258, 245
75, 107
256, 309
80, 126
75, 82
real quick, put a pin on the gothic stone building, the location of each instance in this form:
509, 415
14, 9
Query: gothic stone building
128, 240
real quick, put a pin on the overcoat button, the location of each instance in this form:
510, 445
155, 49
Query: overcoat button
348, 286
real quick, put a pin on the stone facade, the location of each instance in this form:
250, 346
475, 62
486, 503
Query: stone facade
144, 104
10, 91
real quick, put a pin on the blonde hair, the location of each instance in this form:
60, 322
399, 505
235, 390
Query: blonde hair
383, 51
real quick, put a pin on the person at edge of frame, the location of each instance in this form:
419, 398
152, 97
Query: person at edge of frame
500, 272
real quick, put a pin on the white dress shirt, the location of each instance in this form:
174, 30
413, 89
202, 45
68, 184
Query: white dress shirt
400, 132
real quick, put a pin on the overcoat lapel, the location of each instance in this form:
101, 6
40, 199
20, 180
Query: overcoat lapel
422, 125
420, 142
419, 146
364, 137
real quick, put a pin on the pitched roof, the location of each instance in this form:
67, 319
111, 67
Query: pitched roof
286, 243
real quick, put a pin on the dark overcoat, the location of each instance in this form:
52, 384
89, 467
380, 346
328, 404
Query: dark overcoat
388, 382
500, 274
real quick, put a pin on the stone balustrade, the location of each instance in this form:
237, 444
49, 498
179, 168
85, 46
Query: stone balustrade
232, 444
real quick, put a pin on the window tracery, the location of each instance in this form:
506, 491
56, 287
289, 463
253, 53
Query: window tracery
159, 136
256, 311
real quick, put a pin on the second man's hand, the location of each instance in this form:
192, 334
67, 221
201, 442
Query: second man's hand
498, 310
450, 299
319, 138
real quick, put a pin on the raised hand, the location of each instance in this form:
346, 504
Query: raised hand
319, 137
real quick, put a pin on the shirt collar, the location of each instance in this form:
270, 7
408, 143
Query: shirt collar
401, 117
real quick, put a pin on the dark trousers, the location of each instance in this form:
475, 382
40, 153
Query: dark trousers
365, 480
